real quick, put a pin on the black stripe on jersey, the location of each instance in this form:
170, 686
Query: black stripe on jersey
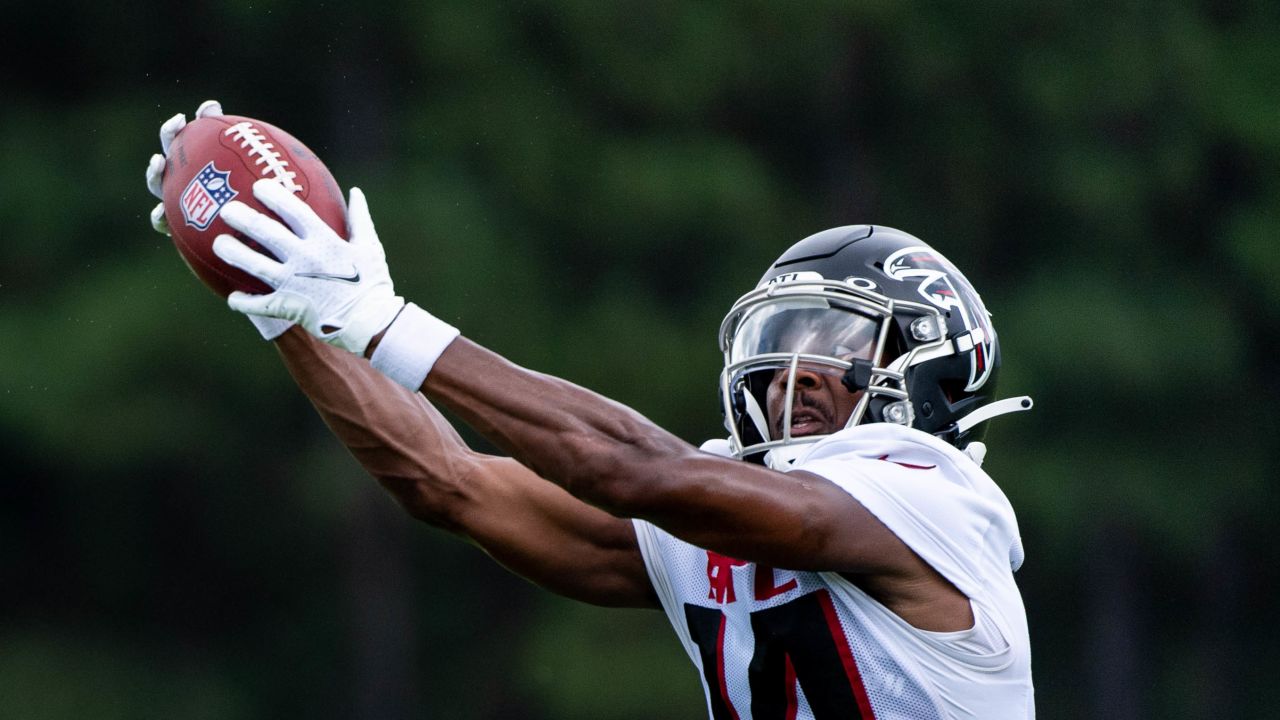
800, 630
706, 628
804, 632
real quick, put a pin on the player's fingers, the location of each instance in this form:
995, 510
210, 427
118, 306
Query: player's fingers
170, 129
296, 214
267, 232
359, 223
237, 254
155, 175
282, 306
159, 221
209, 108
259, 305
247, 303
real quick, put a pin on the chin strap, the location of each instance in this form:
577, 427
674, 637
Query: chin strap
986, 412
756, 413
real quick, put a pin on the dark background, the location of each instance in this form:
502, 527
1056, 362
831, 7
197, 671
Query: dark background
586, 187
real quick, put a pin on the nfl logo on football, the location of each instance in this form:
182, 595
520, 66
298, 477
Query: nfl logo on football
205, 195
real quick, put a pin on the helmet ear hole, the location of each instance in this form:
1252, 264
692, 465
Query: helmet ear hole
894, 347
952, 390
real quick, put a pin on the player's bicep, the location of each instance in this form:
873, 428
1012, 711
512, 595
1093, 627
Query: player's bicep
543, 533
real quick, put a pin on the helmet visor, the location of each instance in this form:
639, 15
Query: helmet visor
805, 326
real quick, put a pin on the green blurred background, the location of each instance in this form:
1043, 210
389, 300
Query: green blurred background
586, 187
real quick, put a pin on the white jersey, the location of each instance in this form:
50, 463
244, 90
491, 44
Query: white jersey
772, 644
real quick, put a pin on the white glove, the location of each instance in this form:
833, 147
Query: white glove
268, 328
338, 290
155, 168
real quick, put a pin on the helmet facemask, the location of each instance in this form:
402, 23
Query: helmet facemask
826, 329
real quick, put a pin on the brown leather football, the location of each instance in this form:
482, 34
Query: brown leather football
215, 160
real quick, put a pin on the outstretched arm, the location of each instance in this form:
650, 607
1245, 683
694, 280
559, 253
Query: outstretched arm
613, 457
533, 527
616, 459
599, 451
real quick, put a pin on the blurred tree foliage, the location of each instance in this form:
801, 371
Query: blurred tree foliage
586, 187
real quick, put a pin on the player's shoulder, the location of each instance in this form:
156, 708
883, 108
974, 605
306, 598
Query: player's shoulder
904, 446
899, 456
887, 441
893, 470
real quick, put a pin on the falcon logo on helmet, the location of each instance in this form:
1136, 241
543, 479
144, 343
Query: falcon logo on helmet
934, 281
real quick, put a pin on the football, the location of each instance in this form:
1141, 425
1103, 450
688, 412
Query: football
214, 160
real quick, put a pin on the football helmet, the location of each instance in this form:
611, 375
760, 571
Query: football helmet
876, 308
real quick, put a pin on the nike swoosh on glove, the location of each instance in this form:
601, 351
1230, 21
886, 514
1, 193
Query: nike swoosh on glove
338, 290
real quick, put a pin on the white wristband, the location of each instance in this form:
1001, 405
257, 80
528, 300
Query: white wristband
411, 346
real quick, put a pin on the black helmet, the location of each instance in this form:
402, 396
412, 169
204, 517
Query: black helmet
888, 313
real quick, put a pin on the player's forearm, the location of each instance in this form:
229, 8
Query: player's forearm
529, 525
613, 458
395, 435
597, 449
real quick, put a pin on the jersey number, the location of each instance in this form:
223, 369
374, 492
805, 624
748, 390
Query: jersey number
797, 642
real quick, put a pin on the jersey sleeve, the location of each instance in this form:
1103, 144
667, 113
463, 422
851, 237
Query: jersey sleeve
655, 544
652, 541
935, 502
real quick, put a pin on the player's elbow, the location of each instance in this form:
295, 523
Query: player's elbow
409, 497
624, 479
430, 501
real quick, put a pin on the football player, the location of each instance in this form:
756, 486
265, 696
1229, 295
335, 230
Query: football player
841, 554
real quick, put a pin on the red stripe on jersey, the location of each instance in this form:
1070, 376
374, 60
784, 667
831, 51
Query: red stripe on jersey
907, 465
724, 686
793, 705
846, 655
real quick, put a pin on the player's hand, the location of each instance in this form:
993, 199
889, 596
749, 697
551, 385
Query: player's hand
155, 167
338, 290
268, 328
